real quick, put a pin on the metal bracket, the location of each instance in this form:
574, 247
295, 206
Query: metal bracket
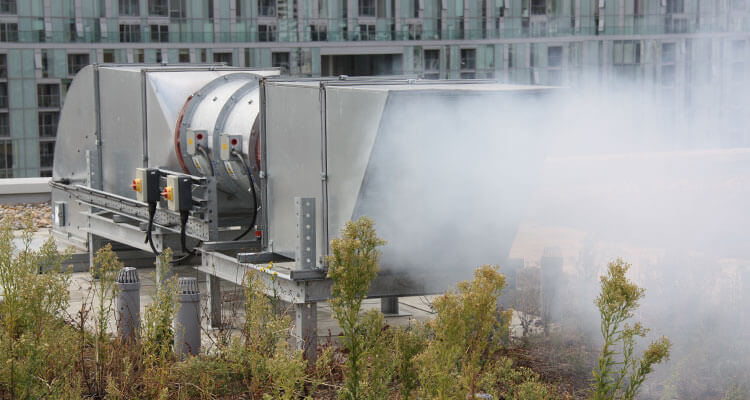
305, 250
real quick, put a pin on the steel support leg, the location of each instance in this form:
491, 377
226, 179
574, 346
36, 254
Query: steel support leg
95, 243
306, 329
213, 291
389, 306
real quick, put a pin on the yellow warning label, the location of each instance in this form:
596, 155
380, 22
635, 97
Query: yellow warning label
224, 146
190, 141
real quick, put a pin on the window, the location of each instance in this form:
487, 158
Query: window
48, 123
108, 56
3, 95
48, 95
4, 125
6, 159
76, 62
130, 33
738, 60
160, 33
46, 153
318, 33
225, 58
367, 8
3, 66
322, 9
367, 32
468, 63
266, 33
209, 8
431, 64
415, 31
554, 65
177, 8
538, 7
280, 60
8, 6
668, 53
738, 4
668, 67
184, 56
637, 8
129, 7
158, 7
554, 56
675, 6
627, 58
267, 8
139, 56
627, 52
238, 8
8, 32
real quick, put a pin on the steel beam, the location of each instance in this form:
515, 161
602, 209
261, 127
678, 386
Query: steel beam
306, 329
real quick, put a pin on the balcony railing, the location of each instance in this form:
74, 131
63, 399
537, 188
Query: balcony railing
48, 100
458, 28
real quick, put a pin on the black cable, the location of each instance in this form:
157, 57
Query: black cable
183, 224
183, 239
205, 154
151, 214
252, 189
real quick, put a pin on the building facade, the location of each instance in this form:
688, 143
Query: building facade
672, 48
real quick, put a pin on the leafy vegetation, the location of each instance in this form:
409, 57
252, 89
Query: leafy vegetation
619, 375
464, 352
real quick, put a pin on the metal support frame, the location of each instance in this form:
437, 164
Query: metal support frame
197, 228
389, 305
213, 293
306, 329
306, 241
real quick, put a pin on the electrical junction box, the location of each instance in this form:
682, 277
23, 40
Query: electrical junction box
178, 193
195, 139
146, 184
228, 143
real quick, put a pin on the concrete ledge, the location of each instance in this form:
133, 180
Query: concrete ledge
24, 190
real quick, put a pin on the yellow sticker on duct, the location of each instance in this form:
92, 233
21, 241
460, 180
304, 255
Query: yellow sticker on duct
230, 170
224, 146
197, 164
190, 141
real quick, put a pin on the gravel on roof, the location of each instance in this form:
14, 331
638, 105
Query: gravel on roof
41, 214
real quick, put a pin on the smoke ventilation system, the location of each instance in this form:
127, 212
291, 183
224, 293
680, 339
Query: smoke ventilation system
196, 158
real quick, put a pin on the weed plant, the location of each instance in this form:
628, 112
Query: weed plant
619, 374
462, 353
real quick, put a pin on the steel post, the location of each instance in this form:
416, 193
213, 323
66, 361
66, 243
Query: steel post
306, 329
551, 280
213, 289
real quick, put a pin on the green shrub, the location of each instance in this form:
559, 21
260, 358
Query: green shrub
352, 266
467, 332
619, 375
268, 363
408, 343
37, 350
156, 329
503, 381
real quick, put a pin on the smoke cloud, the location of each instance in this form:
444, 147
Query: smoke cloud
600, 171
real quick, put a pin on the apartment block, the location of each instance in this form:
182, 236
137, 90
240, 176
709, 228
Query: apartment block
695, 53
